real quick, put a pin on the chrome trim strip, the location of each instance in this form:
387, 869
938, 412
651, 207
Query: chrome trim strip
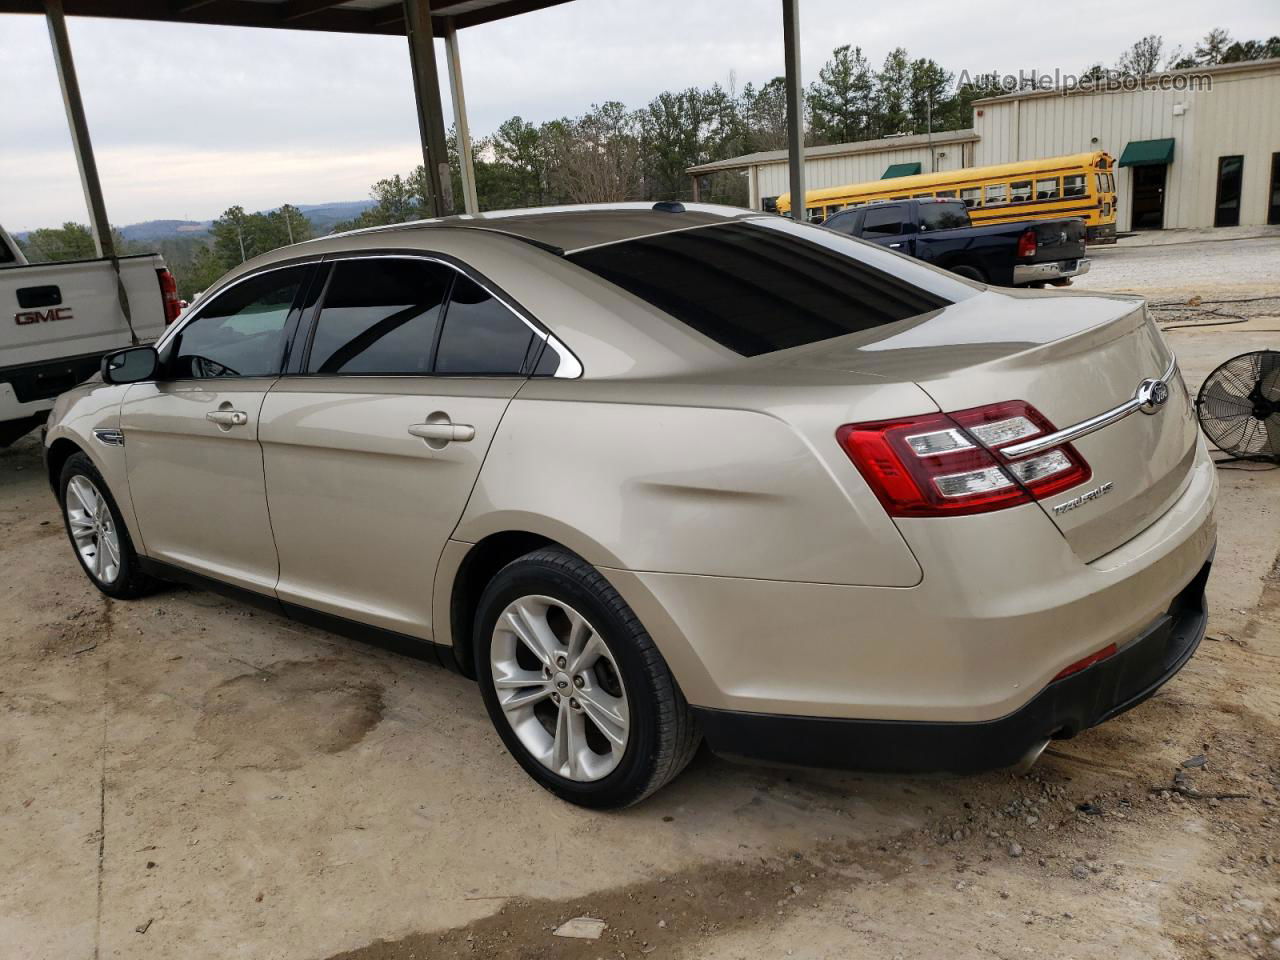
1092, 425
198, 306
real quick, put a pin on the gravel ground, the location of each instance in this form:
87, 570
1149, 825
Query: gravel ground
183, 777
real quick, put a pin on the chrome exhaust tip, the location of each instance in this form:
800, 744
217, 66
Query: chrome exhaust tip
1030, 757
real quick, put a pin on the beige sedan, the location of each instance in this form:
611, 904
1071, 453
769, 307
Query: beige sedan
658, 474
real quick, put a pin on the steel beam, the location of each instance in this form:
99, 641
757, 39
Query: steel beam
426, 90
465, 162
80, 141
795, 106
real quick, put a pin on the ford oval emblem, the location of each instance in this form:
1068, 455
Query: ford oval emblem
1152, 395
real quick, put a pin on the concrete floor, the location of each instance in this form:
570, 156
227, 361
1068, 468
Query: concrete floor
184, 777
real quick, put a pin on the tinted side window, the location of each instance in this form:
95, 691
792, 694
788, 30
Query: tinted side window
241, 332
943, 216
760, 286
379, 316
6, 255
883, 222
481, 336
842, 223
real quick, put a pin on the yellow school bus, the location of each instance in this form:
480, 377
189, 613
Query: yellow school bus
1081, 185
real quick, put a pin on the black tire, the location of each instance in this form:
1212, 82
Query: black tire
663, 736
969, 273
129, 582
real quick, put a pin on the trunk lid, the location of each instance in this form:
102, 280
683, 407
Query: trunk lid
1070, 356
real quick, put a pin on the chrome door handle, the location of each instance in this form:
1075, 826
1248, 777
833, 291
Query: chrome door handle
227, 418
894, 246
446, 431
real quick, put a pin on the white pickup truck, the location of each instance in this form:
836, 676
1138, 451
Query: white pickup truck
58, 319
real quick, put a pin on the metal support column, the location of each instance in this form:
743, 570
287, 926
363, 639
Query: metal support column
697, 188
426, 89
80, 141
465, 162
795, 106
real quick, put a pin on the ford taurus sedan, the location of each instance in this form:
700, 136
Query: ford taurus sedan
659, 474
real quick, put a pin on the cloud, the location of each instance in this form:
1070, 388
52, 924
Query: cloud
225, 104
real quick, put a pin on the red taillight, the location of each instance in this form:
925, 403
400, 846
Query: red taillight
169, 294
1027, 243
941, 465
1110, 650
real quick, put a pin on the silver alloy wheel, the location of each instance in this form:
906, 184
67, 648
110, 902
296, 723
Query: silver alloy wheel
560, 688
93, 529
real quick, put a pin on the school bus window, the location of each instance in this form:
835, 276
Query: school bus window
1073, 185
1020, 191
812, 212
1101, 180
921, 196
1047, 189
997, 193
1111, 183
903, 197
949, 194
972, 196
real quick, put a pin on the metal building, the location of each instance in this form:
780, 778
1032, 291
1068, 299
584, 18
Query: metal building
1191, 152
841, 163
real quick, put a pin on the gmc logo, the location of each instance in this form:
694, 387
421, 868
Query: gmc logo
25, 318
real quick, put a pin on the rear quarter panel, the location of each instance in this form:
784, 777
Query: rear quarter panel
630, 481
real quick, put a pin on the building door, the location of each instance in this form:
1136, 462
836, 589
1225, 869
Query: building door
1273, 206
1148, 196
1230, 176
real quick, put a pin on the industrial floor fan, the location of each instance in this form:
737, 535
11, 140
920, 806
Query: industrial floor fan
1239, 406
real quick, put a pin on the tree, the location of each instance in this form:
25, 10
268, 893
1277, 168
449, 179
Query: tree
239, 236
1240, 51
71, 241
596, 158
840, 101
929, 86
1212, 48
1143, 57
893, 94
764, 115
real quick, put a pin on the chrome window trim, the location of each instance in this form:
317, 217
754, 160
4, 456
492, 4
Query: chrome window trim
569, 368
1093, 424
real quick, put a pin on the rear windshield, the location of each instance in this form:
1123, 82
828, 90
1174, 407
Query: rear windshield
943, 216
758, 286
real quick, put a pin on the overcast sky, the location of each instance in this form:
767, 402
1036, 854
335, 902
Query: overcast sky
187, 120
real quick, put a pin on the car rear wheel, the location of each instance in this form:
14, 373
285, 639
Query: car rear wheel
97, 531
578, 692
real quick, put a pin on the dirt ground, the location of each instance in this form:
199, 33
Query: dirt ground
184, 777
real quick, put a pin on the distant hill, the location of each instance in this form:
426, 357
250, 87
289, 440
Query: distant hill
153, 232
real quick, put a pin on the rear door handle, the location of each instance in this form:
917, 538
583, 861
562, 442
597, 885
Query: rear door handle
227, 418
446, 431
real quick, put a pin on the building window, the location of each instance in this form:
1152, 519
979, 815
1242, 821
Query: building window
1230, 175
1273, 208
972, 196
1047, 189
997, 193
1073, 185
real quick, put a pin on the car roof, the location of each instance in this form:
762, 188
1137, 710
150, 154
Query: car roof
570, 228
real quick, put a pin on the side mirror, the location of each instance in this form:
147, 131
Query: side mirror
130, 365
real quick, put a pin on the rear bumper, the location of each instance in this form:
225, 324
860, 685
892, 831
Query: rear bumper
1062, 709
1050, 271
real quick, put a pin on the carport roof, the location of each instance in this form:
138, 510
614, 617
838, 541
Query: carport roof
339, 16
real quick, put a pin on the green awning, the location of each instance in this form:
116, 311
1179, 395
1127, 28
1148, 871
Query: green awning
1147, 153
901, 170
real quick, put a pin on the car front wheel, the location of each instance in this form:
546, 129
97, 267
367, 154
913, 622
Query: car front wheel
97, 531
575, 686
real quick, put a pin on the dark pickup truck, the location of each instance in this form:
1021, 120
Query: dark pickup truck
1027, 253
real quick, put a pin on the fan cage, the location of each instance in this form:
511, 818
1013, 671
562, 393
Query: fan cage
1239, 406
